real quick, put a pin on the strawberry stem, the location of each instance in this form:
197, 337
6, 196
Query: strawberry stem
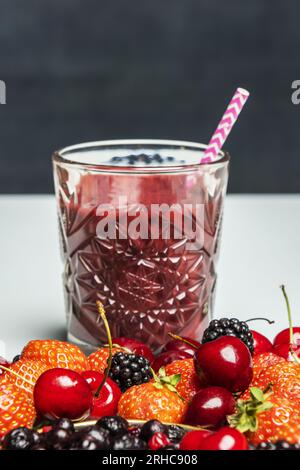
102, 317
288, 307
183, 340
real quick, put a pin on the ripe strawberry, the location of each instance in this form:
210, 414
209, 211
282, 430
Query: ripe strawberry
261, 363
154, 400
267, 417
264, 360
98, 359
284, 378
56, 353
15, 408
189, 383
28, 372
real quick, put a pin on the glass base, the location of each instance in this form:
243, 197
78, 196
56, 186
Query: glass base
85, 347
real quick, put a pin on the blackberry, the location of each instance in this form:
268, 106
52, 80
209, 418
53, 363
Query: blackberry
129, 369
16, 358
279, 445
229, 327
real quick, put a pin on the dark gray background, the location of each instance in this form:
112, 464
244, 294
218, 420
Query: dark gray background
79, 70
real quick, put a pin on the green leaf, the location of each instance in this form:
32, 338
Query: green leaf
175, 379
257, 393
162, 372
157, 385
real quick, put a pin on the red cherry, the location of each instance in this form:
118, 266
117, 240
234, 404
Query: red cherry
158, 440
135, 346
168, 357
284, 350
284, 336
225, 362
93, 378
192, 439
224, 439
106, 404
261, 343
178, 345
62, 393
210, 406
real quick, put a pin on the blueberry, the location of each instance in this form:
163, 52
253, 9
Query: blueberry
150, 428
18, 439
114, 424
58, 439
129, 442
64, 423
174, 433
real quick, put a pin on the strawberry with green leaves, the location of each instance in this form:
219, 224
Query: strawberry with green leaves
267, 417
157, 399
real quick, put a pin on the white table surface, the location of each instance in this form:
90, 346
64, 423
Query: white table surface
259, 251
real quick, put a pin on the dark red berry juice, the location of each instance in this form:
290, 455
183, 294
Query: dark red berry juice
139, 224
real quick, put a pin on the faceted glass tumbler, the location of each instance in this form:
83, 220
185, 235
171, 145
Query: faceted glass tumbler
139, 225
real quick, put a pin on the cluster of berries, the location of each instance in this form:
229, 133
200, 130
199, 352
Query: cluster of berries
235, 384
109, 432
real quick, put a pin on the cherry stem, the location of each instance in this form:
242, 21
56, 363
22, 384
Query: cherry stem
17, 375
288, 307
261, 318
102, 316
183, 340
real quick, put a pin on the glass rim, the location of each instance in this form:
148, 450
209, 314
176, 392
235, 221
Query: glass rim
59, 156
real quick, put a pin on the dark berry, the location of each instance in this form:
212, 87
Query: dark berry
58, 439
135, 431
18, 439
17, 358
150, 428
129, 369
92, 438
170, 447
64, 423
279, 445
175, 433
129, 442
114, 424
229, 327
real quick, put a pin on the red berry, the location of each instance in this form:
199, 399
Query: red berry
224, 439
135, 346
158, 440
284, 350
284, 336
210, 407
178, 345
261, 343
225, 362
192, 439
167, 357
62, 393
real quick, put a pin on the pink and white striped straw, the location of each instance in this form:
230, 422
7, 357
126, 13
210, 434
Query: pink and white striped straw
225, 125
